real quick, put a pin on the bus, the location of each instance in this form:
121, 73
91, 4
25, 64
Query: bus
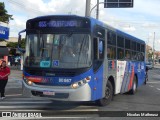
75, 58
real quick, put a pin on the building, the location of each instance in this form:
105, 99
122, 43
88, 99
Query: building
4, 51
11, 39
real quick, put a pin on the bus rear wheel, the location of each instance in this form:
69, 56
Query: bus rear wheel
108, 95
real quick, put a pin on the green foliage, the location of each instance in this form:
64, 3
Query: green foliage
15, 44
12, 44
12, 52
23, 44
1, 39
4, 16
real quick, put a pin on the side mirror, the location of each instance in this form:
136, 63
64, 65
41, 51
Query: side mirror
19, 42
96, 48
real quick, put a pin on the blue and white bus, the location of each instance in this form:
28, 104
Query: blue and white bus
73, 58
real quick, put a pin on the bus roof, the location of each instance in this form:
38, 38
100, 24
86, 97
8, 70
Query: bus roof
98, 23
116, 30
41, 17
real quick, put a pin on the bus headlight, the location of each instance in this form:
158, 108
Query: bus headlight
81, 82
74, 85
29, 82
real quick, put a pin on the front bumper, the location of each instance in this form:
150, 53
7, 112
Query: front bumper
82, 93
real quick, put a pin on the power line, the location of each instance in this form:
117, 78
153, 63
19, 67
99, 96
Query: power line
21, 5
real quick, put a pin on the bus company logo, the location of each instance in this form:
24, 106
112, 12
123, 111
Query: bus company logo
47, 80
121, 63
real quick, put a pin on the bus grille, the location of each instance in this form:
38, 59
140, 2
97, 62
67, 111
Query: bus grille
52, 73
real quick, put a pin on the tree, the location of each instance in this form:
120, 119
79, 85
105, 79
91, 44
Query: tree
4, 16
15, 44
12, 44
23, 43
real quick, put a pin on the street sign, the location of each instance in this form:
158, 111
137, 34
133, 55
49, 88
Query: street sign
118, 3
4, 31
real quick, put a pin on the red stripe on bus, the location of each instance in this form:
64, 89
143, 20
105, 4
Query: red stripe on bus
131, 79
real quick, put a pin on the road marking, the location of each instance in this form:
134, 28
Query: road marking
14, 95
154, 82
42, 106
25, 102
158, 88
151, 86
34, 110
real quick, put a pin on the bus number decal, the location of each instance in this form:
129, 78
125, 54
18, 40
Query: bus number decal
65, 80
42, 24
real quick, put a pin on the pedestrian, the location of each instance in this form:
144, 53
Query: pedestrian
146, 79
4, 73
16, 61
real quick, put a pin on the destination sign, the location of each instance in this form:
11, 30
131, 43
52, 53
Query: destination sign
58, 23
43, 24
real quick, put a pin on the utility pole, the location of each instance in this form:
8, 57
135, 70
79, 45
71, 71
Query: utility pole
97, 12
88, 7
147, 50
153, 48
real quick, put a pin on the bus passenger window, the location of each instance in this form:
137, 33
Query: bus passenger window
127, 54
120, 53
111, 52
108, 52
111, 38
134, 56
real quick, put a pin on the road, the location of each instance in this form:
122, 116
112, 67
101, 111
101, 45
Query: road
146, 99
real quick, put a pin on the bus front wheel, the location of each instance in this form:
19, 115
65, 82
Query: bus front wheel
108, 95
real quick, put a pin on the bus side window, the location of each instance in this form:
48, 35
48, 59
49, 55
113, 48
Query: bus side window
127, 54
101, 49
108, 52
120, 53
111, 52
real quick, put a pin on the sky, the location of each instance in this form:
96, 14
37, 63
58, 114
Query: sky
141, 21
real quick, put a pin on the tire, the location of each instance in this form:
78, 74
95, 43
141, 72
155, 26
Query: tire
108, 95
134, 87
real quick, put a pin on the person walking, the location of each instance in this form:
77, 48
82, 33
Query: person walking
146, 77
4, 73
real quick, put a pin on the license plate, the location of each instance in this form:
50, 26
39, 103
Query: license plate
48, 93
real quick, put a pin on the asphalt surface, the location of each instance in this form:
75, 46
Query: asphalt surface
146, 100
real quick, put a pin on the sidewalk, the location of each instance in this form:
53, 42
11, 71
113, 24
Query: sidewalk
14, 85
156, 65
15, 79
15, 75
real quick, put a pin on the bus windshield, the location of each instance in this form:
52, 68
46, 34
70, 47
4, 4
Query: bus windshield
58, 50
